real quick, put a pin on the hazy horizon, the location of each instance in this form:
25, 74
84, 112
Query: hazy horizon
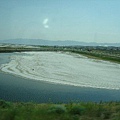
38, 39
78, 20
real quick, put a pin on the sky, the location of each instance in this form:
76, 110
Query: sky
76, 20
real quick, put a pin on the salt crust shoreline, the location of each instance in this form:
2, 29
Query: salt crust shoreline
65, 68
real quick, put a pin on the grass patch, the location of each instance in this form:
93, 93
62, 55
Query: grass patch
70, 111
98, 55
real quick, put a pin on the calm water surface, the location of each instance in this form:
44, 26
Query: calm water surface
14, 88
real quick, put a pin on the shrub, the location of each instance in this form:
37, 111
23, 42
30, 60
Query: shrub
4, 104
7, 114
59, 109
106, 115
77, 110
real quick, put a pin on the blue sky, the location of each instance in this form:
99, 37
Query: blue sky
77, 20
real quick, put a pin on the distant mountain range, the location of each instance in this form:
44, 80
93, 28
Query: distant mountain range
55, 43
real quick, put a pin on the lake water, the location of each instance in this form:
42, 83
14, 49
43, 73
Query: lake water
57, 77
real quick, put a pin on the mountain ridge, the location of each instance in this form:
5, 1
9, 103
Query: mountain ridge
55, 43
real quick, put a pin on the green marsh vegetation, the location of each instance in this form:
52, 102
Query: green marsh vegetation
50, 111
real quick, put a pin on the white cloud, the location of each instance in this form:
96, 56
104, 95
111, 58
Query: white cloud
45, 23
